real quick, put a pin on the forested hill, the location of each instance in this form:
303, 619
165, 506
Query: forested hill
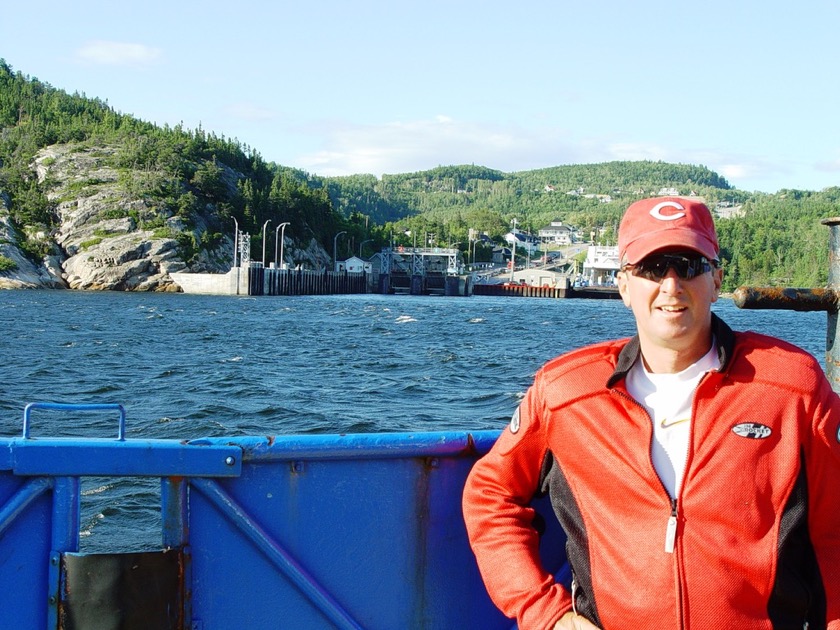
451, 199
185, 185
76, 176
765, 239
538, 194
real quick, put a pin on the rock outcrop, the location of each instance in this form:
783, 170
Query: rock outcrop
25, 275
111, 238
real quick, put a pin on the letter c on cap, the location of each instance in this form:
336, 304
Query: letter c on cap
656, 211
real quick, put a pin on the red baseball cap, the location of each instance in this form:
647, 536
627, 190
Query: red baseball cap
659, 223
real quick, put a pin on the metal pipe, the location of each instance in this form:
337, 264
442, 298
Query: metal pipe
17, 503
235, 240
263, 231
276, 554
820, 299
282, 228
27, 412
513, 251
785, 298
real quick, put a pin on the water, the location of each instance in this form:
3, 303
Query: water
189, 366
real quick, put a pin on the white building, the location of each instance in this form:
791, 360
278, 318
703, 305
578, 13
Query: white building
600, 266
354, 264
557, 234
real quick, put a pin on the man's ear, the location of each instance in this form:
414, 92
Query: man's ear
623, 287
717, 275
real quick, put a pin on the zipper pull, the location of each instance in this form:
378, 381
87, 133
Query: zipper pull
671, 530
671, 534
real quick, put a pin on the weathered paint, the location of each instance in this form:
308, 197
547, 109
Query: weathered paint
313, 531
785, 298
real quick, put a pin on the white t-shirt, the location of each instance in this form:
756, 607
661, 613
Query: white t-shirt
668, 399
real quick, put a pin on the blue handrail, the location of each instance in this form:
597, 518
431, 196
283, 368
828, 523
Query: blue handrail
74, 407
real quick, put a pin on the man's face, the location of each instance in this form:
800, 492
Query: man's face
673, 314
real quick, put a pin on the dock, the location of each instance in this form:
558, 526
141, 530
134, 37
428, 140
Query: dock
524, 290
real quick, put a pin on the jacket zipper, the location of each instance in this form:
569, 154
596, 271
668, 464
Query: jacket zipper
671, 526
671, 529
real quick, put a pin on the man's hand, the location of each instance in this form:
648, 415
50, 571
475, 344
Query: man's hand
572, 621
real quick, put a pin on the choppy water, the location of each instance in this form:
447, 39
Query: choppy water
192, 366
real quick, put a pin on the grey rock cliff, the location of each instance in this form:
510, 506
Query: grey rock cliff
26, 275
109, 236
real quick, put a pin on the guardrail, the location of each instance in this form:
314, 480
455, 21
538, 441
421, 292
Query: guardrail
313, 531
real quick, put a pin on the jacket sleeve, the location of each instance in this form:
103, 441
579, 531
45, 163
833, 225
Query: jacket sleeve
823, 463
499, 521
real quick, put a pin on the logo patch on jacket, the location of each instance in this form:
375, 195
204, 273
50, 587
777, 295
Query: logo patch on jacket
752, 430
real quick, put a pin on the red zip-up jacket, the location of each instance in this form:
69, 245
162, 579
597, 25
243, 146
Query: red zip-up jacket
752, 541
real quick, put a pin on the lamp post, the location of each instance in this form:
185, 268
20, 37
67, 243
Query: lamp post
235, 240
335, 243
513, 250
263, 231
282, 228
362, 245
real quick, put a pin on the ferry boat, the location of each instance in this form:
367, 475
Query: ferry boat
300, 531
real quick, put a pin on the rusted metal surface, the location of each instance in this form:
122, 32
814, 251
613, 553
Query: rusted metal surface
819, 299
132, 591
786, 298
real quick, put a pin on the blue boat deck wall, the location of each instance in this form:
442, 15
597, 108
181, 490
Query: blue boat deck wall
313, 531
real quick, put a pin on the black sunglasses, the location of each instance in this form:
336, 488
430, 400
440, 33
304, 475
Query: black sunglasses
656, 267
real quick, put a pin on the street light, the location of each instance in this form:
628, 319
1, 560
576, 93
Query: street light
235, 240
335, 243
263, 231
362, 245
513, 250
281, 227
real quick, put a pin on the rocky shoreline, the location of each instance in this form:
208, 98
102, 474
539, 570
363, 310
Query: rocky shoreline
108, 238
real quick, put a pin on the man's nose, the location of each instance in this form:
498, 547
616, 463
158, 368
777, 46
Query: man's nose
671, 281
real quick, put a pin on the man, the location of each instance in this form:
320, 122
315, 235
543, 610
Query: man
695, 470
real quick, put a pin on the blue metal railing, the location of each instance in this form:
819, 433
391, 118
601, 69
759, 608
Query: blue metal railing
27, 412
350, 531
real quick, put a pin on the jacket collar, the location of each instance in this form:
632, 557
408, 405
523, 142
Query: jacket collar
630, 353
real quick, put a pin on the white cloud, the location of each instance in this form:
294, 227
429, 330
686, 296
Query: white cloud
828, 166
635, 151
402, 147
108, 53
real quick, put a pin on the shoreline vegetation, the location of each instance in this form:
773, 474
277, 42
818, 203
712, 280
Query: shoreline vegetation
84, 188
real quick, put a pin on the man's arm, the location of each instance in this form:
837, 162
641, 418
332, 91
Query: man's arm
824, 498
499, 523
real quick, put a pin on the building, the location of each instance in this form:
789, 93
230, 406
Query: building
521, 240
501, 255
600, 266
555, 233
354, 264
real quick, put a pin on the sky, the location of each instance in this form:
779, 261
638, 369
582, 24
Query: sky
747, 88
